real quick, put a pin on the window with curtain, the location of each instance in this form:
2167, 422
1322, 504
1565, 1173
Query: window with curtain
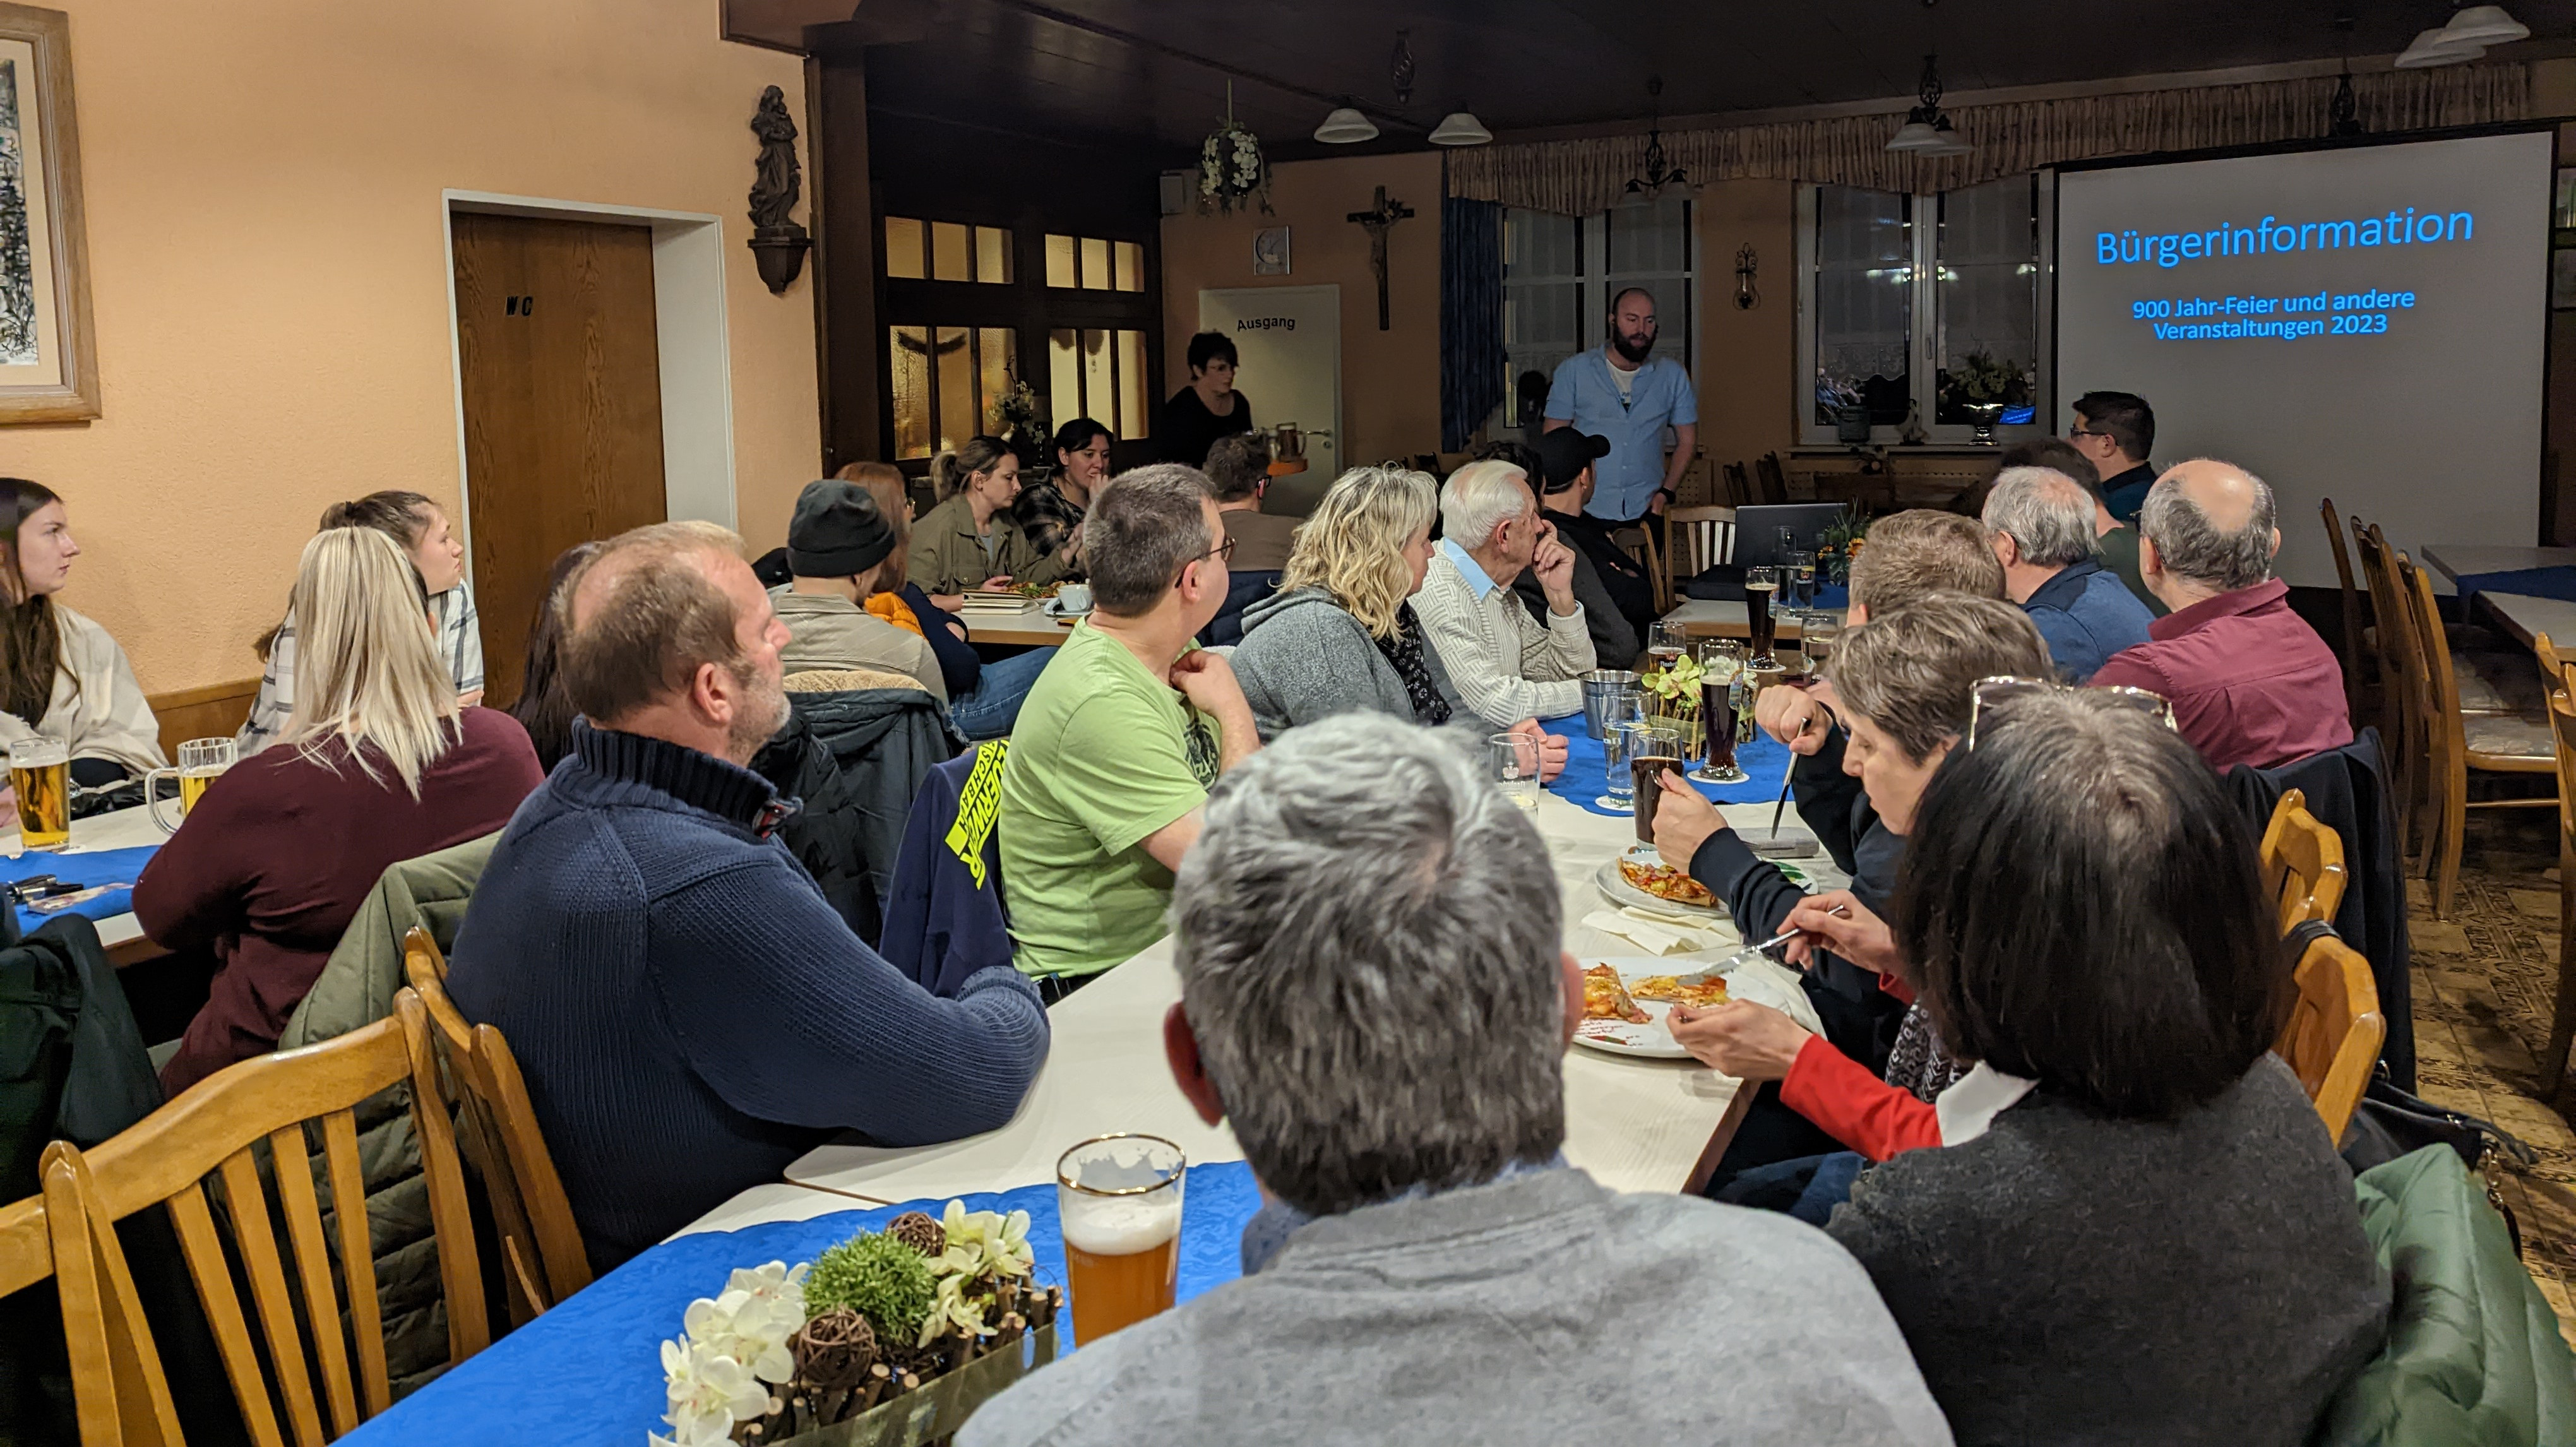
975, 312
1559, 274
1929, 307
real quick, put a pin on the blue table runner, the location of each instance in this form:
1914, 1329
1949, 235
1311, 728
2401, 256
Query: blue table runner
590, 1371
1764, 760
83, 867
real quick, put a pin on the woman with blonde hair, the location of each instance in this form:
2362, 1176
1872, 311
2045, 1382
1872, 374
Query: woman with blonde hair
1340, 633
378, 763
969, 539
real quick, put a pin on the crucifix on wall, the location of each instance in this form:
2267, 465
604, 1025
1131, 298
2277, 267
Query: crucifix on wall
1384, 215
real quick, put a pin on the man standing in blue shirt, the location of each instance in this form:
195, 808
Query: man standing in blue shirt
2041, 523
1620, 392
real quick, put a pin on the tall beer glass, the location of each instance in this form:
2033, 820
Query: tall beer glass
200, 762
40, 770
1759, 585
1119, 1198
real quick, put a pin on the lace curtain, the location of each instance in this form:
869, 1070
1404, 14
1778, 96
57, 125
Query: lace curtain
1578, 178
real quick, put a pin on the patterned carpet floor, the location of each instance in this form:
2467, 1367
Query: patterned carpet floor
2485, 983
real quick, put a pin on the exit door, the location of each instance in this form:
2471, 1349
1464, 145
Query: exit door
561, 372
1290, 341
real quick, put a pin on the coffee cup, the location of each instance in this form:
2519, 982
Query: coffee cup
1073, 598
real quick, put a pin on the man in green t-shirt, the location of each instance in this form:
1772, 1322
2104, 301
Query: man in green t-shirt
1122, 735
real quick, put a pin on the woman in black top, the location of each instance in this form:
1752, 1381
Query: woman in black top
1208, 408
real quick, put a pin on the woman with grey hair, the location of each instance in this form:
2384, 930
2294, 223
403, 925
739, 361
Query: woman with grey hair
1340, 634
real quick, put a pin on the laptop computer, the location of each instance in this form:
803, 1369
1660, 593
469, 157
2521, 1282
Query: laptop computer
1757, 544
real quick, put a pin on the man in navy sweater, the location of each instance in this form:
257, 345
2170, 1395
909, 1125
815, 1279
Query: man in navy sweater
690, 1013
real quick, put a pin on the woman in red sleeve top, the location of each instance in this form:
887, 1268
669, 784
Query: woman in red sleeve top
377, 764
1904, 685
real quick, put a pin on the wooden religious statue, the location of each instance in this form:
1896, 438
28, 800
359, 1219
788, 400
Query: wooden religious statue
1377, 220
777, 242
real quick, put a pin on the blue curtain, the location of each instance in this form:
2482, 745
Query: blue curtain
1471, 317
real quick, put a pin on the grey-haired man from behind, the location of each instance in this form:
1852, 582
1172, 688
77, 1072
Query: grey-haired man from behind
1377, 1002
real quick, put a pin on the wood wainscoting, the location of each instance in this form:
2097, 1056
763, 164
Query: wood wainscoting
214, 711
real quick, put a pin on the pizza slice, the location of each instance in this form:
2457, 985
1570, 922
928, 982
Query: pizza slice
1665, 882
1604, 998
1699, 992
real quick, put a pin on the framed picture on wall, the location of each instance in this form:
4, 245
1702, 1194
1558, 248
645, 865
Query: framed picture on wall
48, 354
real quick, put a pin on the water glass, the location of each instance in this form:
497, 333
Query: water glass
1618, 745
1514, 759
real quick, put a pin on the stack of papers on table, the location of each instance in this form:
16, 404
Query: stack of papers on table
979, 600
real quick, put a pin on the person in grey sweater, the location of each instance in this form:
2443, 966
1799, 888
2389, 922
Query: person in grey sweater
1340, 635
2136, 1229
1374, 997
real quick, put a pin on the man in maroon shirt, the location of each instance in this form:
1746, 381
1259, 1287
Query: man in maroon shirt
2250, 682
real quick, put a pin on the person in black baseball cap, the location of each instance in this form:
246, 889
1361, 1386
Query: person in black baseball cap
1618, 598
842, 550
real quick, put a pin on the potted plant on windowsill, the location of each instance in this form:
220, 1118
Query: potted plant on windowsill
1983, 387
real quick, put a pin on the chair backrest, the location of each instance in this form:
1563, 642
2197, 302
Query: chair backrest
1639, 544
1739, 488
540, 1242
2335, 1029
2302, 859
2352, 624
1699, 538
2558, 684
249, 1121
26, 1249
2401, 676
1775, 481
2438, 694
849, 680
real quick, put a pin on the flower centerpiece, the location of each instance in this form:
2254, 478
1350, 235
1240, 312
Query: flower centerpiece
1232, 171
1672, 699
1020, 421
1839, 544
890, 1339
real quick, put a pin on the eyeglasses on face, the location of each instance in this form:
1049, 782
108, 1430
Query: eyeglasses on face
2001, 690
1221, 552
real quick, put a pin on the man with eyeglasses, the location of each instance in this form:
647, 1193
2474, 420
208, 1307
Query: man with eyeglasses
2115, 431
1122, 735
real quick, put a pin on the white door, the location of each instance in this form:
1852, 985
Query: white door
1290, 342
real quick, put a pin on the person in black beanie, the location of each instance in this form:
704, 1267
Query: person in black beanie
841, 551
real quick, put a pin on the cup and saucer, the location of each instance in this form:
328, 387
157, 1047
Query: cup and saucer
1071, 601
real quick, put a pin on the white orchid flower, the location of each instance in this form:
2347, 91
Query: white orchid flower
707, 1392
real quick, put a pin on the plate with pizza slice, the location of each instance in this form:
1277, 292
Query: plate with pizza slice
1625, 1001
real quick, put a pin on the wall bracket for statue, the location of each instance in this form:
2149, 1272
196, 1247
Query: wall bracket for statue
778, 243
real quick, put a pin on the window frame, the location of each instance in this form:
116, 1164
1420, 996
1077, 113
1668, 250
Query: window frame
1025, 305
1592, 260
1923, 346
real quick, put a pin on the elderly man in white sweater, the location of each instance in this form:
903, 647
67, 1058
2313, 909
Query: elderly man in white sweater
1505, 665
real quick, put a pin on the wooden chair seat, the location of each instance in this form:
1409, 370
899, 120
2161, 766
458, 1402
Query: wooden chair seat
246, 1132
2334, 1032
2499, 683
2508, 743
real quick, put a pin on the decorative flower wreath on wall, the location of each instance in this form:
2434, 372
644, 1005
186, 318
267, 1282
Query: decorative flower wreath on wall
1232, 171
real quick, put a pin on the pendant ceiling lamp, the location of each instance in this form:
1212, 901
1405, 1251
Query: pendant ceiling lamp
2472, 29
1346, 127
1927, 130
1460, 128
1654, 175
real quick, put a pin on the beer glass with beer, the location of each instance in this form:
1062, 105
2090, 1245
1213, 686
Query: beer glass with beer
1119, 1199
40, 770
200, 760
1759, 586
1651, 751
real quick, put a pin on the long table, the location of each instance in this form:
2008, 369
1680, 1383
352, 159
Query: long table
119, 829
1635, 1124
2527, 618
2464, 560
1710, 618
1029, 625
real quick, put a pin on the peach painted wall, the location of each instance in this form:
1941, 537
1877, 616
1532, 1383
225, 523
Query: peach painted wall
268, 263
1390, 379
1747, 374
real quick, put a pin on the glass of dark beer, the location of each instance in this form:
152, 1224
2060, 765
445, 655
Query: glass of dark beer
1651, 751
1759, 585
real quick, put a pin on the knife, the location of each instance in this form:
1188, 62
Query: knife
1764, 948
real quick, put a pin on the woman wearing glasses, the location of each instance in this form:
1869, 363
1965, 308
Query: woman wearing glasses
2136, 1229
1905, 685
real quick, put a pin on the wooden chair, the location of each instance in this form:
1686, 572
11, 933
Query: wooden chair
2560, 682
2355, 641
540, 1243
221, 1126
2490, 743
2401, 679
1639, 544
1739, 488
2302, 860
2332, 1039
1695, 540
1774, 486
